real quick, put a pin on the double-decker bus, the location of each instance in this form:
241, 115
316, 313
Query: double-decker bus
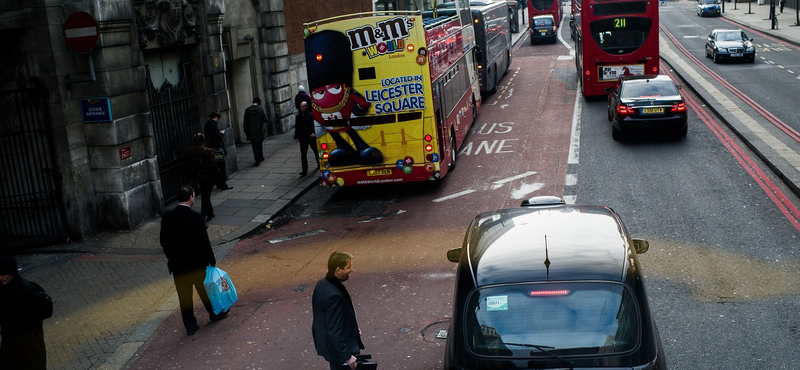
540, 7
612, 39
492, 39
394, 94
575, 9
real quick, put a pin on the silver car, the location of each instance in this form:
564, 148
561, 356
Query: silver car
708, 7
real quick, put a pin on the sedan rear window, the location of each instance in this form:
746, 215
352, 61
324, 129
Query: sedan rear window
648, 88
530, 320
542, 22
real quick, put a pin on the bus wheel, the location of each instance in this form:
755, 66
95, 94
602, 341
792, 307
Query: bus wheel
493, 73
453, 150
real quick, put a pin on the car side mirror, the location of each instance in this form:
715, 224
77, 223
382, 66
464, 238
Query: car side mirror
640, 245
454, 254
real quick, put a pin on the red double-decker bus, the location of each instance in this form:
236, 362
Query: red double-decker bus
612, 39
541, 7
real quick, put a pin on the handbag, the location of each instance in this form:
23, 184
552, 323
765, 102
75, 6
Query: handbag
220, 289
219, 154
362, 363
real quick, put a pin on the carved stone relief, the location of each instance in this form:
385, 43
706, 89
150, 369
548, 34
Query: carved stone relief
168, 22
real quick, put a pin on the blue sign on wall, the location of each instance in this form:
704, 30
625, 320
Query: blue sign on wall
96, 110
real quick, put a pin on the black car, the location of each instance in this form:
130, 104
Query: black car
725, 44
647, 102
543, 28
551, 286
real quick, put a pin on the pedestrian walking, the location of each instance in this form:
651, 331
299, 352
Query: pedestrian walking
202, 169
23, 307
254, 120
337, 337
304, 134
783, 3
184, 239
214, 139
302, 96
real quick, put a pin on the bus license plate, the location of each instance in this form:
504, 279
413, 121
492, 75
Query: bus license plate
652, 110
736, 54
383, 172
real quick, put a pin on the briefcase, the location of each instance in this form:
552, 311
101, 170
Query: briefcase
219, 154
363, 363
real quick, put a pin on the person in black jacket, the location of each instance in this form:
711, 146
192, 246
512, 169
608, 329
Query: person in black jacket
22, 346
337, 337
214, 138
304, 134
184, 239
202, 168
254, 120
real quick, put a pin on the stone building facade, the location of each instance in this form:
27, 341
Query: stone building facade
158, 68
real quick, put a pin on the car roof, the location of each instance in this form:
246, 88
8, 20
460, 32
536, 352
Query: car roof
718, 30
548, 243
646, 77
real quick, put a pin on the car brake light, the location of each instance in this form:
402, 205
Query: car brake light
548, 293
621, 109
680, 107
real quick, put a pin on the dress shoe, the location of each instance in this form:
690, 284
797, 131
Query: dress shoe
258, 164
226, 188
211, 217
302, 174
192, 330
219, 316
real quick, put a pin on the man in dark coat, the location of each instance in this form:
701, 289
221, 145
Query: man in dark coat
21, 317
304, 134
214, 139
254, 120
184, 239
337, 337
202, 168
302, 96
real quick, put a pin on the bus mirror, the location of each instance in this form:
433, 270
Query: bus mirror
454, 254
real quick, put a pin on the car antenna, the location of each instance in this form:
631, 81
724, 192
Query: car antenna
546, 258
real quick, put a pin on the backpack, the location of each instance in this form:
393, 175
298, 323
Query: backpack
42, 303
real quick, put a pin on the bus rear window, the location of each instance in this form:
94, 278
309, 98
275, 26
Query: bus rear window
620, 35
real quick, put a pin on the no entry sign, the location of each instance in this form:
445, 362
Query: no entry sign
81, 32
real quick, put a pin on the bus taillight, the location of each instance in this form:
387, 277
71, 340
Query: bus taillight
655, 70
319, 57
410, 47
325, 155
324, 146
428, 148
587, 72
428, 138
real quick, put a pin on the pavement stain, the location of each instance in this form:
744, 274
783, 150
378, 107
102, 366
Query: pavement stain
714, 275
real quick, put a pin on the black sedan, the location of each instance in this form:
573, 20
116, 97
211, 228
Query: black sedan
551, 286
543, 28
730, 45
648, 102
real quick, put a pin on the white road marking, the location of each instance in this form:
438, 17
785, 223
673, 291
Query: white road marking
502, 182
456, 195
525, 190
571, 179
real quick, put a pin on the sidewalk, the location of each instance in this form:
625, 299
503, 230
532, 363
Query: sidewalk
757, 17
112, 290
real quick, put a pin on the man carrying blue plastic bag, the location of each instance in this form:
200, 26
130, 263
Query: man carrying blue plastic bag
220, 290
184, 239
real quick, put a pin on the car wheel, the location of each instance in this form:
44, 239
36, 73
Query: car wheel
616, 134
683, 132
752, 60
608, 113
714, 57
707, 56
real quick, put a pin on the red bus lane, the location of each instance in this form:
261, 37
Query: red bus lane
402, 282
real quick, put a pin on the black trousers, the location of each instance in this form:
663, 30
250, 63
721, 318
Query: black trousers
24, 351
206, 209
222, 179
304, 146
184, 283
258, 150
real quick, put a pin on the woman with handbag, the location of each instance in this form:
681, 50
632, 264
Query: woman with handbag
201, 167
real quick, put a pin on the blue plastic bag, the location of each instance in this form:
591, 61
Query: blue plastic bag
220, 289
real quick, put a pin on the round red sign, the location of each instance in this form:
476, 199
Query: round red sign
81, 32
